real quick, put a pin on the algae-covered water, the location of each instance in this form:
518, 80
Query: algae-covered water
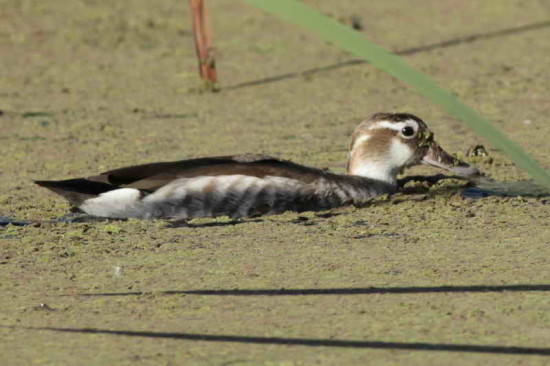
424, 277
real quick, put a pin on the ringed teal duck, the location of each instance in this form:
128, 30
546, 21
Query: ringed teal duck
251, 185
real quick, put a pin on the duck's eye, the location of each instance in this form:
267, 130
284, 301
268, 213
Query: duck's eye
407, 131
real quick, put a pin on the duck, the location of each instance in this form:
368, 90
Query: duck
250, 185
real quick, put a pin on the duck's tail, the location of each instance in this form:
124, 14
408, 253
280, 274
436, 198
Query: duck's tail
77, 190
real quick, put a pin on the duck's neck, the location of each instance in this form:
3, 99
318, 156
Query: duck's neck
372, 169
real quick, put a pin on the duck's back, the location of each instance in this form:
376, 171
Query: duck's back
150, 177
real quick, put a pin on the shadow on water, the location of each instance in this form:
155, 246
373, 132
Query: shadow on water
83, 218
476, 187
5, 221
484, 187
197, 225
336, 291
405, 52
311, 342
70, 218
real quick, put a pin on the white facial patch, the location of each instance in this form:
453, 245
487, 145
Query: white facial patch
396, 126
386, 168
400, 153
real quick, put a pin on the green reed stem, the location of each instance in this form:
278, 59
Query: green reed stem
353, 42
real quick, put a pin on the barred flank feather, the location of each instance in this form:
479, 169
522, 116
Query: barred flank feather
234, 196
245, 196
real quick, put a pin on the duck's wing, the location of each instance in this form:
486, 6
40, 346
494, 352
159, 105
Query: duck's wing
150, 177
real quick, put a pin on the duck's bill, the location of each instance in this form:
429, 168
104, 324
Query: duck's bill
436, 156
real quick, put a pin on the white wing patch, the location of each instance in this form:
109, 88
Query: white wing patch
119, 203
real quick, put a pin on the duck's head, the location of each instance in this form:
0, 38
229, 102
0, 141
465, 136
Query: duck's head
386, 143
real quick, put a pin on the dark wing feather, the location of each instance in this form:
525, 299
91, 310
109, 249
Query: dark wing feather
149, 177
76, 190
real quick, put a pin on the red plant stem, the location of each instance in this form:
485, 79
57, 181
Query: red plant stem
201, 30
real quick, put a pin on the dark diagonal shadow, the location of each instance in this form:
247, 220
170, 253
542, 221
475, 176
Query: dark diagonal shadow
405, 52
311, 342
335, 291
184, 223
